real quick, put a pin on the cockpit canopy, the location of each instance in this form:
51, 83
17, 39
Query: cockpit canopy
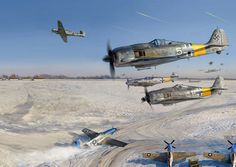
162, 42
180, 86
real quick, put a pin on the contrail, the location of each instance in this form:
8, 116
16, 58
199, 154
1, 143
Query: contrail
216, 17
151, 17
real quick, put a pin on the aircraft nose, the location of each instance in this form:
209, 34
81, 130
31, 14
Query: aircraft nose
106, 59
143, 99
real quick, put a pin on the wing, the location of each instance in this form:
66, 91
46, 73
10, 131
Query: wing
183, 155
61, 31
217, 156
113, 142
91, 134
162, 157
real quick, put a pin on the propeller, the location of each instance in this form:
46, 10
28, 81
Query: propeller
147, 97
111, 58
170, 144
231, 144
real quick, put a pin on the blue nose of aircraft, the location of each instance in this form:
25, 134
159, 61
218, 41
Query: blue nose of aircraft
233, 149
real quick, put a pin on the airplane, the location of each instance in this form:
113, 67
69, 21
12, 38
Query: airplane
212, 70
160, 51
170, 155
211, 62
64, 33
149, 81
102, 138
180, 93
228, 158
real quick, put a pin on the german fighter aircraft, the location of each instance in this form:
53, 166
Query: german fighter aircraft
170, 155
102, 138
160, 51
64, 33
212, 70
149, 81
228, 158
179, 93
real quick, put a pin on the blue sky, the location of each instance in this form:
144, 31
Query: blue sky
27, 45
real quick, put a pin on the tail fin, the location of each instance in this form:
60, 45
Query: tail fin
218, 38
218, 85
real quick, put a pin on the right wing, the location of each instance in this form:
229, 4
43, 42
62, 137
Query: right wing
183, 155
113, 142
61, 31
217, 156
91, 134
162, 157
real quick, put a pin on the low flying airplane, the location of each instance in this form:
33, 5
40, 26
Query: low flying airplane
160, 51
212, 70
149, 81
228, 158
102, 138
64, 33
179, 93
211, 62
170, 155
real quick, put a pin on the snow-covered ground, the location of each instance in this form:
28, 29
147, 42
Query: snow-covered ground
36, 116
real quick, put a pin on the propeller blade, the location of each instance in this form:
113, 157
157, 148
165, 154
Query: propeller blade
229, 148
111, 58
166, 142
172, 141
166, 147
230, 142
174, 147
109, 49
112, 69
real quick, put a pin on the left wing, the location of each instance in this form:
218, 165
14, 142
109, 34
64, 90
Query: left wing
162, 157
183, 155
113, 142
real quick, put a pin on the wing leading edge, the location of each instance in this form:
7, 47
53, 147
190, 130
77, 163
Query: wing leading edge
114, 142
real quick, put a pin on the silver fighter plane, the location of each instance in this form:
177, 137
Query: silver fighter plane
149, 81
179, 93
170, 155
64, 33
160, 51
213, 70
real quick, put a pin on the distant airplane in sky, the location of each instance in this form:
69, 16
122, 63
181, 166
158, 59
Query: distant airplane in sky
64, 33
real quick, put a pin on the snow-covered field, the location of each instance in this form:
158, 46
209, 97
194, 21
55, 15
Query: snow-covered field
36, 116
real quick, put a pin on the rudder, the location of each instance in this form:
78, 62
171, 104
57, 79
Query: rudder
218, 38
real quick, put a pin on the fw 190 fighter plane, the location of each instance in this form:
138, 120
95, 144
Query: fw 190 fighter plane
99, 138
228, 158
149, 81
64, 33
170, 155
160, 51
212, 70
179, 93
